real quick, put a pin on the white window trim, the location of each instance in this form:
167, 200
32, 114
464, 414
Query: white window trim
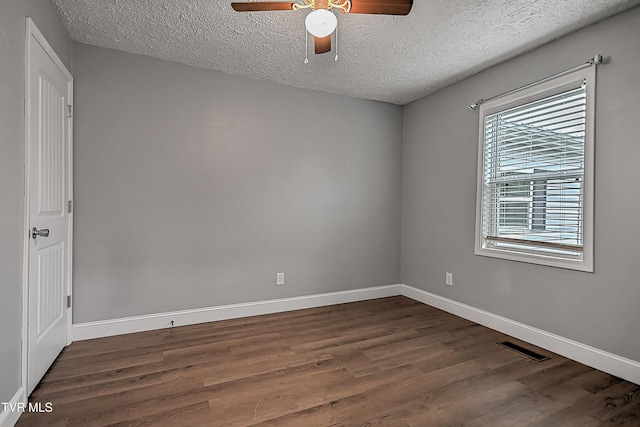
542, 90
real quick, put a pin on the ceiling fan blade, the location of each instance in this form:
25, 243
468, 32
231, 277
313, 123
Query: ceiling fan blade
261, 6
382, 7
323, 44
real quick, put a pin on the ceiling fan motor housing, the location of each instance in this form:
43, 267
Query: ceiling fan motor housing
320, 4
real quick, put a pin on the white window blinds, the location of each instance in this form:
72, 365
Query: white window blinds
534, 157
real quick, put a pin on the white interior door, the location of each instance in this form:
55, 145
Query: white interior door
49, 189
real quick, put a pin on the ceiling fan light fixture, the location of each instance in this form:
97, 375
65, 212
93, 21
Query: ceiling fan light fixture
321, 23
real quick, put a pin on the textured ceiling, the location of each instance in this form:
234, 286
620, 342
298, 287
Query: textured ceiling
395, 59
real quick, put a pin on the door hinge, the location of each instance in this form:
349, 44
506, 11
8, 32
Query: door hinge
68, 301
69, 110
70, 206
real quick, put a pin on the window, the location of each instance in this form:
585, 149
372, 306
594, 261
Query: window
535, 174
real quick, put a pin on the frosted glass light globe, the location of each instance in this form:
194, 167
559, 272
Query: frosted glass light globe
320, 23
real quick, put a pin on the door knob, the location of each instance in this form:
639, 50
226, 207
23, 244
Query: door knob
43, 232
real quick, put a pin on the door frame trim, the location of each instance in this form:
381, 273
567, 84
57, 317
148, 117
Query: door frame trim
33, 34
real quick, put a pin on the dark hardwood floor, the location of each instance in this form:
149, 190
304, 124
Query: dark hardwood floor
385, 362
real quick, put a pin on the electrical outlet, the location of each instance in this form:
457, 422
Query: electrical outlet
449, 279
280, 279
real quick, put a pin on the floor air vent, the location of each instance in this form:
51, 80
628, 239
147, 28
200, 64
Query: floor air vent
525, 351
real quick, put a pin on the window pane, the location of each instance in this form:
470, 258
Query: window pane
533, 173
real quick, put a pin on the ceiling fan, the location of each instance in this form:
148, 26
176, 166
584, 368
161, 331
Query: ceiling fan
321, 22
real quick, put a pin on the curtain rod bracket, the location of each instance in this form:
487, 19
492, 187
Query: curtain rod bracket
474, 105
596, 60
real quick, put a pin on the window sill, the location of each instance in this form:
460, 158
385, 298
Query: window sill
539, 259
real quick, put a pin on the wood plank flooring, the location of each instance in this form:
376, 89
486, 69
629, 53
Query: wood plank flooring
385, 362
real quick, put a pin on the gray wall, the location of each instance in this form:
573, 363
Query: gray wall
193, 188
439, 194
12, 63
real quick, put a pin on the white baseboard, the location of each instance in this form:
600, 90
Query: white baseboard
9, 418
590, 356
126, 325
